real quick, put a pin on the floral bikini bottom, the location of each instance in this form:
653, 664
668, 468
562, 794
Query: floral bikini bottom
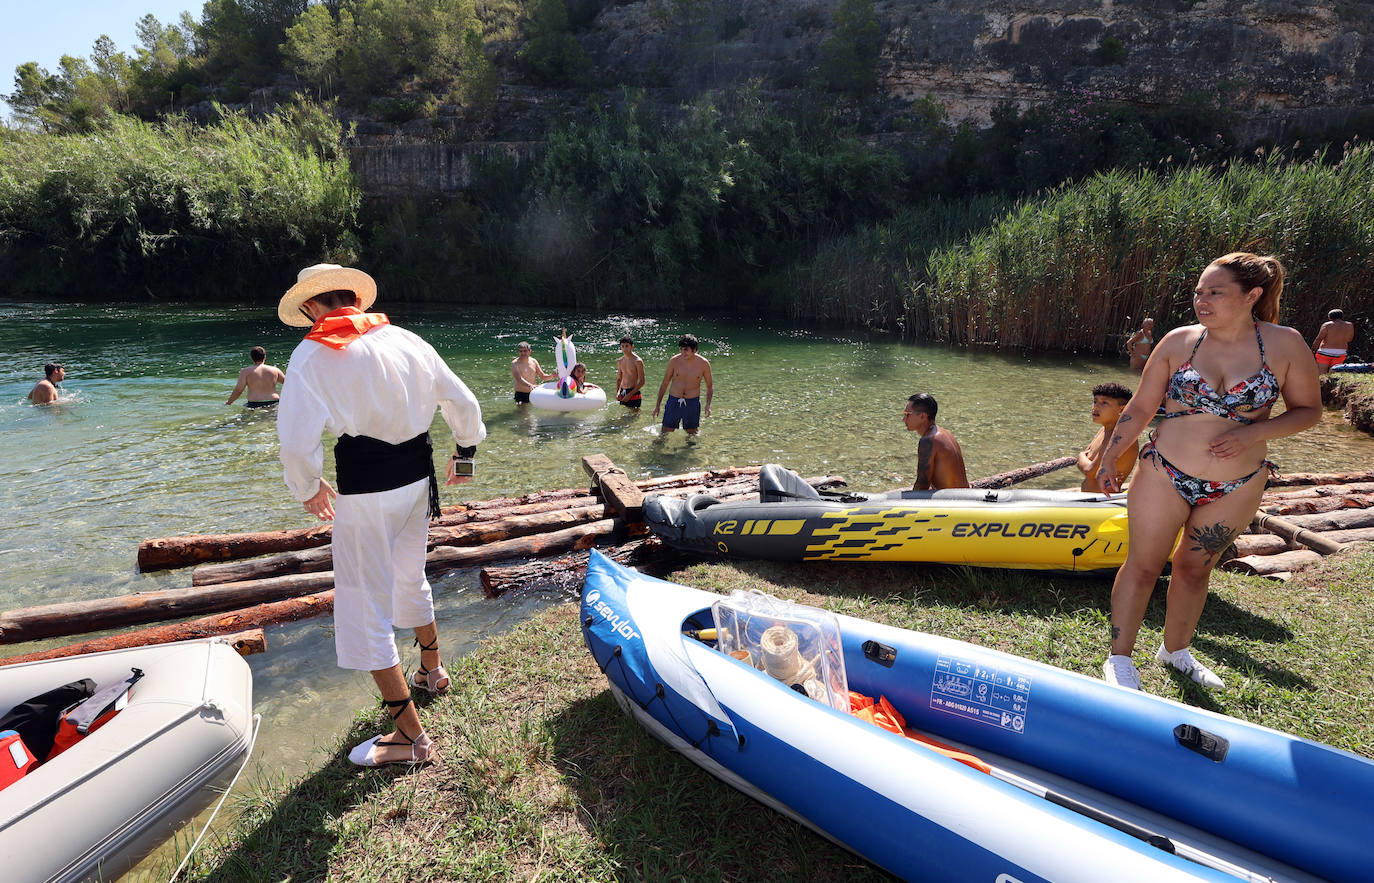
1199, 491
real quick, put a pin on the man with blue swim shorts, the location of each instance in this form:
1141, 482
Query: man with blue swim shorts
682, 381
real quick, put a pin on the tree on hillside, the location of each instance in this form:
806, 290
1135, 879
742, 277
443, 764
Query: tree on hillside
553, 55
849, 56
314, 46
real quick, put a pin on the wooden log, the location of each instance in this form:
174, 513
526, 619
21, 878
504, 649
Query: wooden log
1306, 478
623, 497
1294, 533
167, 552
1263, 565
648, 555
98, 614
1025, 473
1259, 544
1317, 505
1321, 490
229, 623
1341, 519
537, 545
470, 534
247, 643
1353, 535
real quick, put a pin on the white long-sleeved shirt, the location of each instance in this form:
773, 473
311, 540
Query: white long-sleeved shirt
386, 385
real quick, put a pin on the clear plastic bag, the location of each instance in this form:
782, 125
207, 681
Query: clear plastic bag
793, 643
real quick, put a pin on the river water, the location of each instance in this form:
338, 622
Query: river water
141, 445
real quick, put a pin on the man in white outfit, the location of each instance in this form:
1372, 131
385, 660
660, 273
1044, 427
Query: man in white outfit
374, 387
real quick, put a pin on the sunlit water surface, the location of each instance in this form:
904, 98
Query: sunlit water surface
141, 445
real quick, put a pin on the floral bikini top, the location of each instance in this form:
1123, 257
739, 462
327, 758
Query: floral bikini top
1255, 393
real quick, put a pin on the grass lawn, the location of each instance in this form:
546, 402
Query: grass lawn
543, 778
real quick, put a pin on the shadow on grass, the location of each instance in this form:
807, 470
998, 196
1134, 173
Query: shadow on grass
666, 819
295, 841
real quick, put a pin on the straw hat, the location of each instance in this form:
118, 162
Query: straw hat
319, 279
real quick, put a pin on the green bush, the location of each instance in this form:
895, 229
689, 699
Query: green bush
172, 208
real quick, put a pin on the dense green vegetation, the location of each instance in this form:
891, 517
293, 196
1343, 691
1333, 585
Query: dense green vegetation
221, 209
1114, 246
1082, 206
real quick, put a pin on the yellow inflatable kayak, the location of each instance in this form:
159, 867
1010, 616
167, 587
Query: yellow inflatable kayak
791, 521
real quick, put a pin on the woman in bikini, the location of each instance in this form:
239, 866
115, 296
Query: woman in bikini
1140, 344
1204, 468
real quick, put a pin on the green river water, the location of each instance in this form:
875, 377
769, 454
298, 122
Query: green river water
141, 445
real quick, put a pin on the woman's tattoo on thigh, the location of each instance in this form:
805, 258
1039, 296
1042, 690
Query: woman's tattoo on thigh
1212, 539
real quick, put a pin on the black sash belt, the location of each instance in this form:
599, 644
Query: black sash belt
366, 465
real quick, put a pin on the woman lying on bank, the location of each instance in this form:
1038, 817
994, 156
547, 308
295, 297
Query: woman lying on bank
1204, 468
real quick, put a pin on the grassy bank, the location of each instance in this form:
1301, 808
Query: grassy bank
543, 777
1354, 393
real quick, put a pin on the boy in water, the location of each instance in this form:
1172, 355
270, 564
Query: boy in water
525, 371
682, 381
1109, 400
629, 375
261, 381
45, 391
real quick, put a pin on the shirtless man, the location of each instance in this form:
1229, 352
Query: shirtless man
629, 375
939, 461
1140, 344
1109, 400
525, 371
682, 381
45, 391
1332, 340
260, 379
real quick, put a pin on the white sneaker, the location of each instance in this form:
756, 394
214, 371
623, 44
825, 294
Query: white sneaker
1120, 671
1182, 660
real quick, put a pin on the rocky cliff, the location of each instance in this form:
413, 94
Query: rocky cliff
1274, 65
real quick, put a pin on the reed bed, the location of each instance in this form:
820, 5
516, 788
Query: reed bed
1077, 267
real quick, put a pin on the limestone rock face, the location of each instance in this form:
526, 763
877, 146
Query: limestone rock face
1293, 60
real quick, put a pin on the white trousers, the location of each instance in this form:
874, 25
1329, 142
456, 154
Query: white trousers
379, 573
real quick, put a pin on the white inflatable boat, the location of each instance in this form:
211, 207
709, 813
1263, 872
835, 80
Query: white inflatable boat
96, 809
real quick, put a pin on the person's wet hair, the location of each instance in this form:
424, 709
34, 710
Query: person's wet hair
51, 368
1113, 391
924, 403
688, 340
258, 354
1335, 315
627, 339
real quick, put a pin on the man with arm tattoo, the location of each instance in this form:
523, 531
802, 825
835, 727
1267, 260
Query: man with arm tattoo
939, 461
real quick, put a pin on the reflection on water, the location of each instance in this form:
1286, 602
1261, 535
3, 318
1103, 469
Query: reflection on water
142, 446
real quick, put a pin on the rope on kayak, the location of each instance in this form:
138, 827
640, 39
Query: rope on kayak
659, 693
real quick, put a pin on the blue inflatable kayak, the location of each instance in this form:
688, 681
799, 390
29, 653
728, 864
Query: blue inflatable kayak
1077, 780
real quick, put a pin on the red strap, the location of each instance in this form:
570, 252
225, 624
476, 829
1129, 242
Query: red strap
345, 325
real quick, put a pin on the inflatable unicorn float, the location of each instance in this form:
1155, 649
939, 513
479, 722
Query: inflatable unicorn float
562, 394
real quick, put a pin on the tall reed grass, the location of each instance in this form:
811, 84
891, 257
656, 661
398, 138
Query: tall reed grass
173, 208
1076, 268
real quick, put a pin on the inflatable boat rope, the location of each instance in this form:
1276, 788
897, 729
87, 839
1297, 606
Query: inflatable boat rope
257, 725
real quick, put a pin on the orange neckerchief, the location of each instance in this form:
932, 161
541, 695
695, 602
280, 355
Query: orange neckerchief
345, 325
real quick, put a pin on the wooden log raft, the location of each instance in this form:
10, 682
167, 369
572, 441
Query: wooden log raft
77, 617
1295, 533
182, 551
1341, 519
1308, 478
1316, 505
623, 497
258, 616
1321, 490
1258, 544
